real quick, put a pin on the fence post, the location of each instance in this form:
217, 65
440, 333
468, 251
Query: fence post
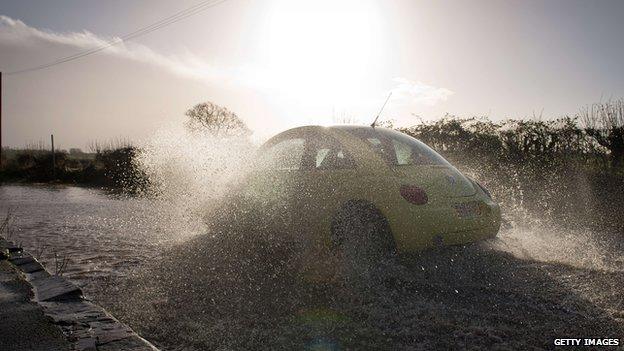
0, 119
53, 157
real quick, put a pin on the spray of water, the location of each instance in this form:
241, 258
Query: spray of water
552, 244
214, 292
554, 220
190, 172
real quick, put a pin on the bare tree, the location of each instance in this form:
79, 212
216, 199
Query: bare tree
216, 120
100, 146
604, 122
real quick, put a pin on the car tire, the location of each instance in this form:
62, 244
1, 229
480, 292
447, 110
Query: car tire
361, 233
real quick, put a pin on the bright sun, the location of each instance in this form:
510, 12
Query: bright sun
320, 52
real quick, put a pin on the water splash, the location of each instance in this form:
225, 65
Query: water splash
190, 172
552, 218
552, 244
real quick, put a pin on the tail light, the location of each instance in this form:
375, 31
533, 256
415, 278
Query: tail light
414, 194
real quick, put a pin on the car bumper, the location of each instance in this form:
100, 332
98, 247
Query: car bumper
415, 228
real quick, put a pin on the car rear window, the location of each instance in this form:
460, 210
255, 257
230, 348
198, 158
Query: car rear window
399, 149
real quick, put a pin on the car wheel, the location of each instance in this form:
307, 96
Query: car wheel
362, 234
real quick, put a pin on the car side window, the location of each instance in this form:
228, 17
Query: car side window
328, 154
380, 146
285, 155
321, 156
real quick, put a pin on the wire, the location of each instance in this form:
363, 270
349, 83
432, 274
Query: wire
178, 16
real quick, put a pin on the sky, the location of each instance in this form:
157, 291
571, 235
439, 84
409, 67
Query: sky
283, 63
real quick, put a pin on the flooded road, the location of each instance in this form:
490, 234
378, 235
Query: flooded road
101, 233
145, 263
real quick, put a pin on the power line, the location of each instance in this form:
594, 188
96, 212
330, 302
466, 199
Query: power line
145, 30
178, 16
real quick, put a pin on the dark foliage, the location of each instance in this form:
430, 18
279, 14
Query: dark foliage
119, 169
109, 168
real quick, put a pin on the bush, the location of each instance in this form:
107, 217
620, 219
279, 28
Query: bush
119, 169
114, 168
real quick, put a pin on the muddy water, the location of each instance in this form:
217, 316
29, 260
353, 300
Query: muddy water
181, 290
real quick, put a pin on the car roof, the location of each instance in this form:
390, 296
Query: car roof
365, 130
351, 132
341, 127
348, 135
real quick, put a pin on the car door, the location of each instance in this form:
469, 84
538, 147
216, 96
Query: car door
324, 184
272, 187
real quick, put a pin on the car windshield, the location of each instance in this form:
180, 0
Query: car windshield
397, 148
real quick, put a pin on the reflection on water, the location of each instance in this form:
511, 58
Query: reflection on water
101, 233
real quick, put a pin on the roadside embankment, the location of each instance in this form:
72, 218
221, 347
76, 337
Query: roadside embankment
42, 311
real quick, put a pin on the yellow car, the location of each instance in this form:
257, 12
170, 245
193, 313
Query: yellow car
376, 190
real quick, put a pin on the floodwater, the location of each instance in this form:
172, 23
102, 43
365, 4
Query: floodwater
99, 232
152, 267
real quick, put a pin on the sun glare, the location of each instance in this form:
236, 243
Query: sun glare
319, 53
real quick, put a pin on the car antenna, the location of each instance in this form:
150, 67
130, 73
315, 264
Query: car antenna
382, 107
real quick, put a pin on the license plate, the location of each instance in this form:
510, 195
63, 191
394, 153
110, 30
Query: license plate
469, 209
